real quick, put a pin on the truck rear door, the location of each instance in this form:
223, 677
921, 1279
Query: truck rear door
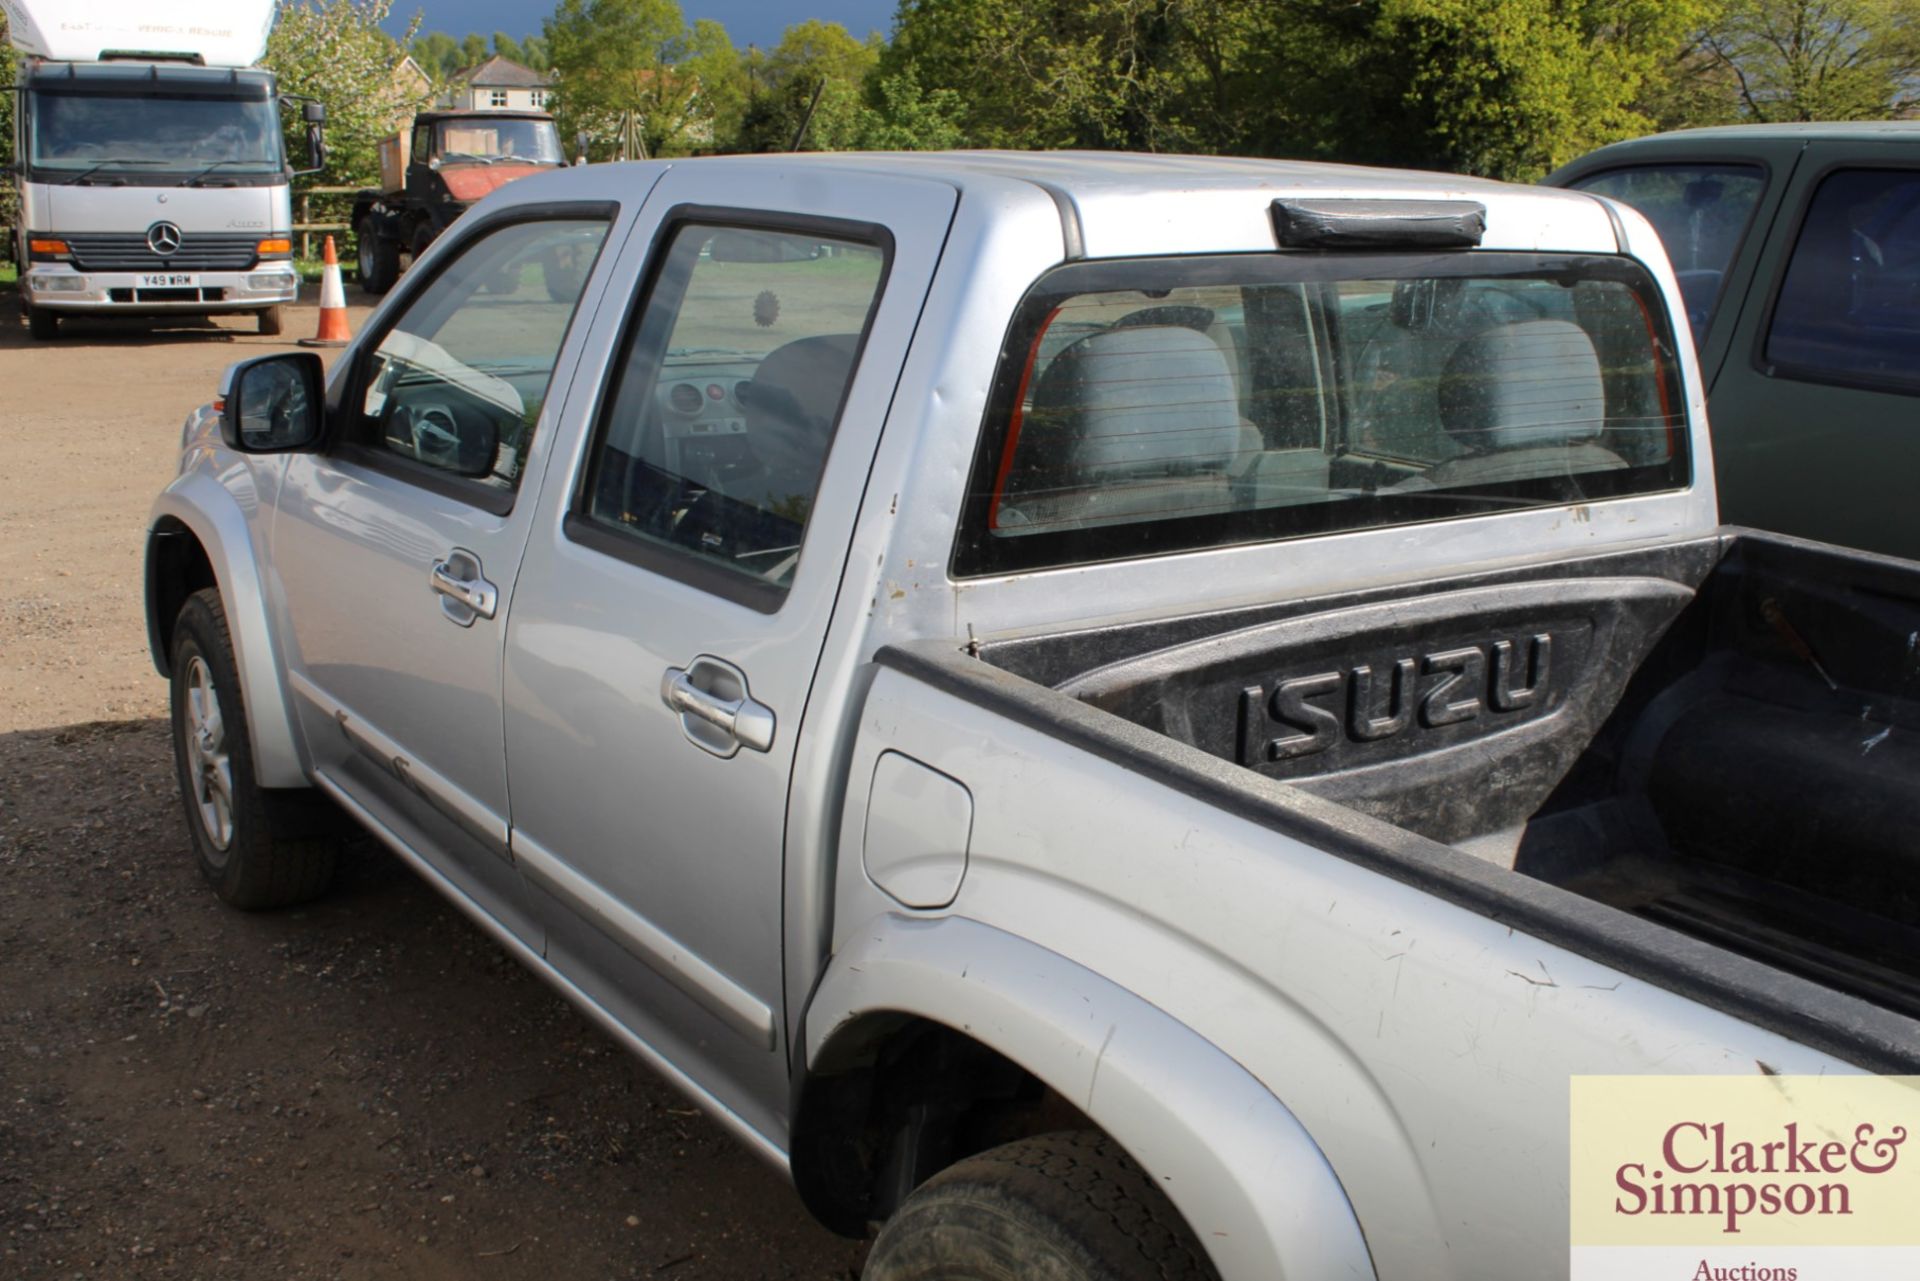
677, 590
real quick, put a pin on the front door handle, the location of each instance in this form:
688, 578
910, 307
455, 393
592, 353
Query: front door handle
465, 592
717, 712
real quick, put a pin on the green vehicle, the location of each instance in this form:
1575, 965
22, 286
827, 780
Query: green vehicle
1797, 249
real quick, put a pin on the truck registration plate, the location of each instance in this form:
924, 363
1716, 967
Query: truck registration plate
167, 282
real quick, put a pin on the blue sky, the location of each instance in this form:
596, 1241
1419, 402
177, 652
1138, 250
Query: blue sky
747, 21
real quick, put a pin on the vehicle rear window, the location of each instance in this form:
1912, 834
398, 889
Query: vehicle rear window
1147, 407
1701, 212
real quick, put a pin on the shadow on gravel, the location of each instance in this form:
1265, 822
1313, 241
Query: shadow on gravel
365, 1087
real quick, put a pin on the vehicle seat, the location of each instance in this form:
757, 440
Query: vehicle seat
790, 405
1525, 400
1130, 424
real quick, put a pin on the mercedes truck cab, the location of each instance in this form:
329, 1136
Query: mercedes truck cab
149, 160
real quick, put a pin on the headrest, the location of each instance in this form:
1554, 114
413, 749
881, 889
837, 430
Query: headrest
1139, 401
1533, 383
801, 383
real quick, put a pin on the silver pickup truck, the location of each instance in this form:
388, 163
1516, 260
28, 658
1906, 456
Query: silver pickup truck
1115, 716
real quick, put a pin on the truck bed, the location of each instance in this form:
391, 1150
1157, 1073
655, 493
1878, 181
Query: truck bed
1717, 737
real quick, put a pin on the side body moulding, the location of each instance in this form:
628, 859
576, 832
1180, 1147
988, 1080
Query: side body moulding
1249, 1180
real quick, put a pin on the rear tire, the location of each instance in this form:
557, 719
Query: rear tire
377, 258
1066, 1207
258, 848
273, 321
44, 325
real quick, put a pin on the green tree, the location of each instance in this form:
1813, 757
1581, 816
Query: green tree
616, 59
1507, 90
334, 50
438, 54
906, 117
1776, 60
473, 50
816, 76
507, 47
720, 78
9, 204
1066, 73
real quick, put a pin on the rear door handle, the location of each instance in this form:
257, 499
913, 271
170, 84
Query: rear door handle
465, 592
717, 712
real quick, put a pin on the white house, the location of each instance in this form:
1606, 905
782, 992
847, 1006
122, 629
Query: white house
500, 82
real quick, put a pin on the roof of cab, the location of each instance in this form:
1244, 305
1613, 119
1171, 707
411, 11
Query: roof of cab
1804, 130
1740, 142
1120, 204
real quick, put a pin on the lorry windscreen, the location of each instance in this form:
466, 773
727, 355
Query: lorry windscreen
1151, 406
158, 133
483, 138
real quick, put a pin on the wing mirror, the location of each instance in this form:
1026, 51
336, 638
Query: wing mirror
274, 404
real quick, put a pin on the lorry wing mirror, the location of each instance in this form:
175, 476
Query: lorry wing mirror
274, 404
314, 113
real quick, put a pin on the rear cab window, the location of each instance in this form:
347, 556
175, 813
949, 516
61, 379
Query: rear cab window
1702, 212
1152, 406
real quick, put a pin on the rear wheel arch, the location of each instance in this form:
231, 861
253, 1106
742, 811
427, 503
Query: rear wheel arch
937, 1039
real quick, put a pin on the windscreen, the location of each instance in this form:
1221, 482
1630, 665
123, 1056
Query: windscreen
534, 141
79, 132
1154, 406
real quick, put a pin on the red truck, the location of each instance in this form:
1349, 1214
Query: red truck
435, 172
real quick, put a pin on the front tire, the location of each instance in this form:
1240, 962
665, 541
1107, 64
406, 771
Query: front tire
44, 325
273, 322
258, 848
1063, 1207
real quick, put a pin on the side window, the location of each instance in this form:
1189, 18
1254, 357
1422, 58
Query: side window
1849, 308
423, 142
1701, 213
716, 432
458, 381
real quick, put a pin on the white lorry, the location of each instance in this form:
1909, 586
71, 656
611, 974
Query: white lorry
1125, 717
149, 163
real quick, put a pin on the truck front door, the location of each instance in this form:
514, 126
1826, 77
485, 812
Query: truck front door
1813, 410
396, 549
677, 591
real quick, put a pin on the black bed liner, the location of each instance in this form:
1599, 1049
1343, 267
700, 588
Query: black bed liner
1701, 760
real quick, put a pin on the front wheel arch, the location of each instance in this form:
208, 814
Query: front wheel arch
198, 537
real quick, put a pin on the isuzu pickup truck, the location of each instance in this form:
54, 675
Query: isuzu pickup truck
1115, 716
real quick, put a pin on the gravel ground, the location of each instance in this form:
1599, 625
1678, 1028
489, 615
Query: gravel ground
367, 1087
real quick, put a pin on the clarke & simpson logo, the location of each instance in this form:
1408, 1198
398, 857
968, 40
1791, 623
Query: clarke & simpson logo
1762, 1178
1703, 1172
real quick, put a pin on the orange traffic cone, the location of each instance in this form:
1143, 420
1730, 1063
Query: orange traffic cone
333, 305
